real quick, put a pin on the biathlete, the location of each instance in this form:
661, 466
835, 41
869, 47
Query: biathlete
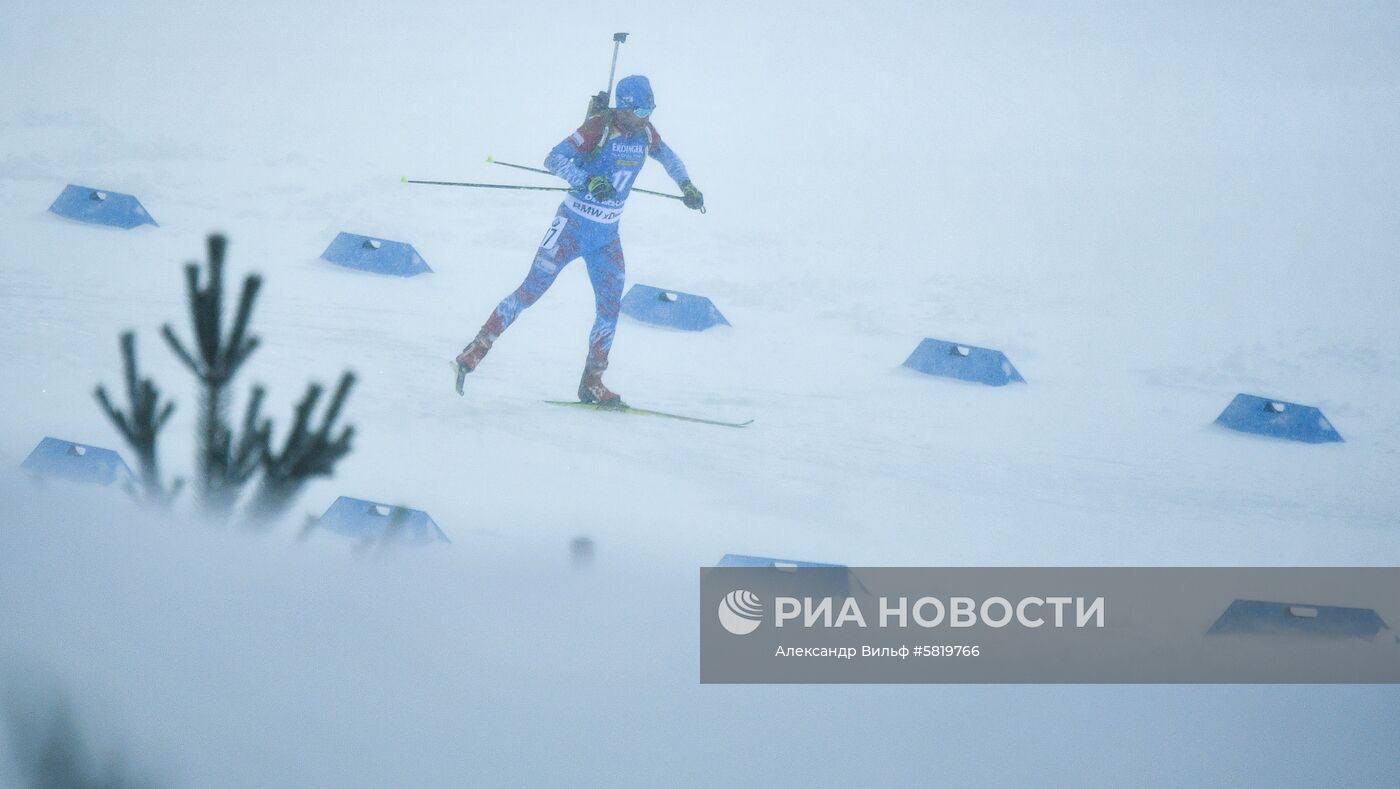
600, 161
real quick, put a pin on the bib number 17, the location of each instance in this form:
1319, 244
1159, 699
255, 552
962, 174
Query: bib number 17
556, 229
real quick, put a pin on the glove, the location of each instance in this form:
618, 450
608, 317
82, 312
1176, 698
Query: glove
601, 189
692, 197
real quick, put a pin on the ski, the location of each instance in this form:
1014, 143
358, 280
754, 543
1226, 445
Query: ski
618, 409
627, 409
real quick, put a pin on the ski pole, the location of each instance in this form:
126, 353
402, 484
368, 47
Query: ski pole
493, 160
405, 179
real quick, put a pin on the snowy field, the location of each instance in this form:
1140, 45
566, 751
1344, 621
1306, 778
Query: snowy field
1148, 209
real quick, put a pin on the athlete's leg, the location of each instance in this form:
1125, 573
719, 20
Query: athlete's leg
606, 270
560, 245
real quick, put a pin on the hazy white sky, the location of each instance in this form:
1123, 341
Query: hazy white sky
1111, 143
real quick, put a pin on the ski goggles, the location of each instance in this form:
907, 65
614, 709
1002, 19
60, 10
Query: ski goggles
642, 112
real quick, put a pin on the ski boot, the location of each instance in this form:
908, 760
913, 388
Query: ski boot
471, 356
592, 390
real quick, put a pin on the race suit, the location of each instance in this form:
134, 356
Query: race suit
588, 227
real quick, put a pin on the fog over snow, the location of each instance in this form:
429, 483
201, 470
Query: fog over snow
1149, 209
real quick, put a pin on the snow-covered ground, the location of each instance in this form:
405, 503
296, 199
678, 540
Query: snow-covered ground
1148, 210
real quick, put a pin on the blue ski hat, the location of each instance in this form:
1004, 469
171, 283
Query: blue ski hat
634, 93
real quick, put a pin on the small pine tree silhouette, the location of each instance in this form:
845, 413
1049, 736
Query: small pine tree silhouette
142, 423
306, 453
227, 460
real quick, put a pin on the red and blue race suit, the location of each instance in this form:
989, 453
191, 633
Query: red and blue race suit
588, 227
